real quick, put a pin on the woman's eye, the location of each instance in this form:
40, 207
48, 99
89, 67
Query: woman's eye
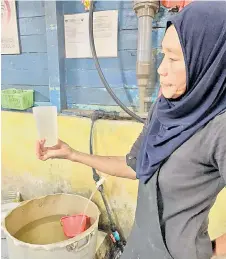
171, 59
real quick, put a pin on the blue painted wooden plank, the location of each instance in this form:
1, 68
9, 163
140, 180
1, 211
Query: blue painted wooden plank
90, 78
127, 4
33, 43
126, 61
41, 92
93, 107
108, 5
128, 38
27, 77
32, 26
25, 61
71, 7
100, 96
84, 98
30, 8
42, 103
56, 52
128, 19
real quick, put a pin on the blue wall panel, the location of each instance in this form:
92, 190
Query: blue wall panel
32, 26
30, 8
29, 69
26, 61
33, 43
30, 77
41, 35
90, 78
99, 96
120, 72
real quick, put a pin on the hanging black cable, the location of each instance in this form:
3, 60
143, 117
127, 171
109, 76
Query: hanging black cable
101, 75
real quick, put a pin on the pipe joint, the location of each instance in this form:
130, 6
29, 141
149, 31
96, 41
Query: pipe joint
146, 7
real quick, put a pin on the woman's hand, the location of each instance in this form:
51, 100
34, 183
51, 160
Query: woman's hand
60, 151
114, 165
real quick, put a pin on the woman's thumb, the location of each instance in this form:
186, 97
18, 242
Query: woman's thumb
52, 154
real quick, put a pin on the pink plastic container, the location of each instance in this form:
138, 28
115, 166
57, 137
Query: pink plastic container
75, 224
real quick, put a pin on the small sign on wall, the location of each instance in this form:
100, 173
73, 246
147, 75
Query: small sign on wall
9, 34
105, 34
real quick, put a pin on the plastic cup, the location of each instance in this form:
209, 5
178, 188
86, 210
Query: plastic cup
46, 122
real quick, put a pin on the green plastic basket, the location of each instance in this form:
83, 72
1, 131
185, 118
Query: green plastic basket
17, 99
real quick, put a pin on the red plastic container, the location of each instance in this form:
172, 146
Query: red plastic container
75, 224
173, 3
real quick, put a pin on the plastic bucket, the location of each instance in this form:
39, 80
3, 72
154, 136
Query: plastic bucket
82, 246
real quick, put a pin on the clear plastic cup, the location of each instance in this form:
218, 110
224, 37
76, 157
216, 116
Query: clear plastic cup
46, 122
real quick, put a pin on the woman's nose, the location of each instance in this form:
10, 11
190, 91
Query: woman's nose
162, 70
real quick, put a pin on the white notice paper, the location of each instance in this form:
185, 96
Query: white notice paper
9, 34
105, 34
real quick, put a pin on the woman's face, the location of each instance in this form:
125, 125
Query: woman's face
172, 69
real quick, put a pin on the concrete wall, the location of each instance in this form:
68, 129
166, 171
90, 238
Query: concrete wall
23, 172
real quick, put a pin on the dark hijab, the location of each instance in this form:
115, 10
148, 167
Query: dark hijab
201, 27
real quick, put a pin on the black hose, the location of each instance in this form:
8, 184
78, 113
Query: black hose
96, 176
101, 75
120, 244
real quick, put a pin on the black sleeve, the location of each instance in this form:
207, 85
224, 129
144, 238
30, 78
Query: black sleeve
131, 157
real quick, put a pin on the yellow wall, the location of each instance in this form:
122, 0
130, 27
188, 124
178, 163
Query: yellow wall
23, 172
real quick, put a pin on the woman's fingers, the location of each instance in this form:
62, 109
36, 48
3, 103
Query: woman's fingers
44, 153
40, 149
51, 154
42, 145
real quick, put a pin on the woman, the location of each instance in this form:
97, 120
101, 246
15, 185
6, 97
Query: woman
180, 156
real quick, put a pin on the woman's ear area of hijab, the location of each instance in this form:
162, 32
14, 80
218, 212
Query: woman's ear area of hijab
172, 70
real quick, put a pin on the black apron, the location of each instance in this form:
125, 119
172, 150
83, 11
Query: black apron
146, 240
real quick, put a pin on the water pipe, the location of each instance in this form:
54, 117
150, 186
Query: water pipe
145, 10
99, 70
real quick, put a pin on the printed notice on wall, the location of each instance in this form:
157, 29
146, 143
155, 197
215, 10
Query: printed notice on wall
9, 34
105, 27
